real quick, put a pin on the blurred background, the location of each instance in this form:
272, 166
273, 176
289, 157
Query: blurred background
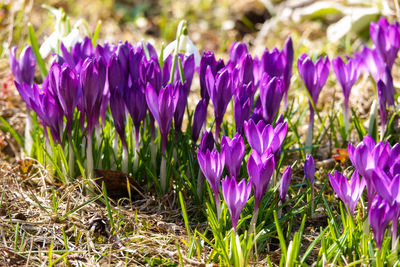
213, 24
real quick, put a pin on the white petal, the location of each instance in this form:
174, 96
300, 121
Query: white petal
72, 38
168, 49
192, 49
49, 45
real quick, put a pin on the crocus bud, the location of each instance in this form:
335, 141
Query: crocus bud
150, 73
243, 103
50, 113
92, 79
273, 63
220, 91
246, 70
347, 75
237, 51
162, 107
181, 105
309, 168
212, 164
289, 53
136, 56
233, 151
199, 117
105, 51
207, 142
68, 93
285, 182
383, 100
207, 60
236, 196
271, 93
386, 185
23, 69
349, 193
117, 107
260, 169
380, 214
135, 101
118, 72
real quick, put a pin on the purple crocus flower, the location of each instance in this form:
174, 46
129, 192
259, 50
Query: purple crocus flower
28, 93
105, 51
273, 62
118, 71
243, 103
362, 160
162, 107
207, 60
271, 93
260, 170
182, 101
50, 113
135, 101
262, 137
23, 69
386, 186
314, 75
257, 71
349, 193
212, 164
92, 79
245, 70
276, 64
236, 196
68, 92
118, 81
79, 53
237, 51
220, 91
285, 182
380, 214
386, 38
287, 74
347, 75
233, 151
117, 107
383, 99
199, 117
309, 168
136, 56
207, 142
371, 62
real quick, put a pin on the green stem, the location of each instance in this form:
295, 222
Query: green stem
179, 33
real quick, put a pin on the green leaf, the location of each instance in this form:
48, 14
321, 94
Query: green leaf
96, 33
35, 49
282, 241
6, 127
